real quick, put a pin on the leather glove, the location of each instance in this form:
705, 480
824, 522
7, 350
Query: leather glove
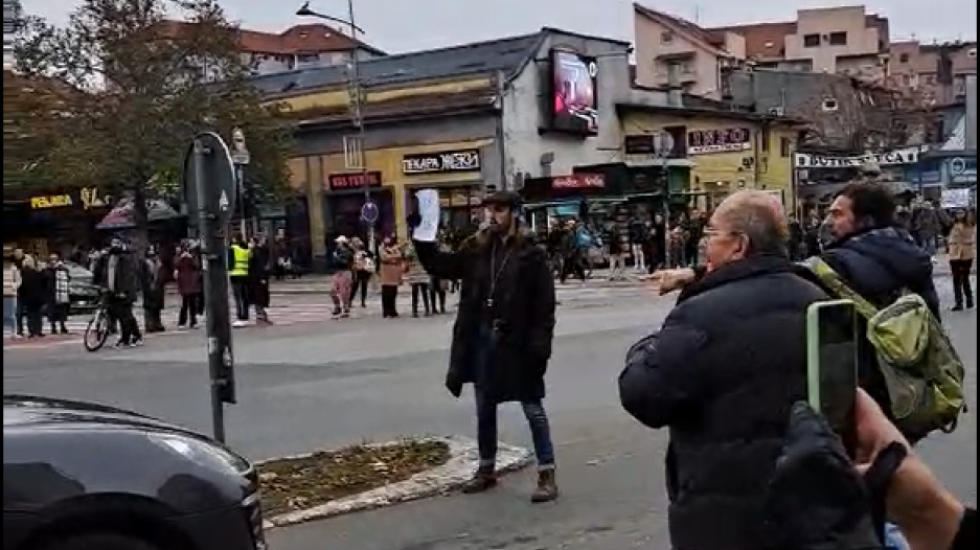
817, 500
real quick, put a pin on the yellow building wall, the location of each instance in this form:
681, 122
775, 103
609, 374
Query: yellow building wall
311, 173
779, 167
770, 171
341, 97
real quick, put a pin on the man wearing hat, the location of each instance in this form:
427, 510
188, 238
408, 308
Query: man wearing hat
503, 332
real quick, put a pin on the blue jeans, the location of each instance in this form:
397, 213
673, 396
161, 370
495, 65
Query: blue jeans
894, 539
486, 431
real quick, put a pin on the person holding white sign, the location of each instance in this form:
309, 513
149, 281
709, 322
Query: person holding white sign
504, 327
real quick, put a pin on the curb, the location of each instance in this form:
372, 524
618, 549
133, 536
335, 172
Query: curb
463, 460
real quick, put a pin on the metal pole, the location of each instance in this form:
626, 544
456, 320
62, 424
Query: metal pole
666, 207
240, 179
214, 258
358, 113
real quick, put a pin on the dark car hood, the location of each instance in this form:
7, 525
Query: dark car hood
35, 412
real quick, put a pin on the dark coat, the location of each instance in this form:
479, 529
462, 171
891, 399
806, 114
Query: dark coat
524, 309
188, 275
127, 274
34, 289
879, 265
723, 374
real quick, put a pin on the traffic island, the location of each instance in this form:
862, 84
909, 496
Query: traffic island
324, 484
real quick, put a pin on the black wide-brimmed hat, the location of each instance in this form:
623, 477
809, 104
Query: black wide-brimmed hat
503, 198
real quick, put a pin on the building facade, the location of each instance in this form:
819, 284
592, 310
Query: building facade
12, 15
844, 40
940, 71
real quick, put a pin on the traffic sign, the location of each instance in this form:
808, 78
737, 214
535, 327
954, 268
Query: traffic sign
369, 212
209, 182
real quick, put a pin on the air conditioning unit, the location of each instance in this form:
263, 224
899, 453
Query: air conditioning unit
777, 111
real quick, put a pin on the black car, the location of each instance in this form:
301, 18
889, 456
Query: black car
81, 476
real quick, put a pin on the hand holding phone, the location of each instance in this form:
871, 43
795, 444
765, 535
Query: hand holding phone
832, 366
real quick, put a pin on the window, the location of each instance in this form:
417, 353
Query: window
666, 37
904, 58
811, 41
930, 79
829, 104
785, 147
838, 39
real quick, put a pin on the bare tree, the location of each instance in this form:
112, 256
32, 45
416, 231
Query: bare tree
146, 85
857, 115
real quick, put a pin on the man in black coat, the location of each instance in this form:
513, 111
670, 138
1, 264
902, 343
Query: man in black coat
723, 373
503, 332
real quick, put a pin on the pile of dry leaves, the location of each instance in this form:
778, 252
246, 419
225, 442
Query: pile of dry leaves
292, 484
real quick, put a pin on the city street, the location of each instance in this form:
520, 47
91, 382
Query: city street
323, 384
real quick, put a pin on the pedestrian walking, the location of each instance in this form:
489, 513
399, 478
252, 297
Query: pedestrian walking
364, 268
962, 251
503, 333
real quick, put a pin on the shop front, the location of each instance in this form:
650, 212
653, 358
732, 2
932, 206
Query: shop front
54, 221
819, 176
335, 194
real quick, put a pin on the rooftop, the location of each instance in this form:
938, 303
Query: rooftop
315, 38
505, 55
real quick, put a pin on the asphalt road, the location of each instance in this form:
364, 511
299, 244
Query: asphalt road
323, 385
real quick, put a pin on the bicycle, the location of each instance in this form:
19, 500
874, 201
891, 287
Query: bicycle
99, 326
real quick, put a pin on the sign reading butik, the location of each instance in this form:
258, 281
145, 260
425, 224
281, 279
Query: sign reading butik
466, 160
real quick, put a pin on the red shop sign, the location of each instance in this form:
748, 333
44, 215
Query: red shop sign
579, 181
356, 180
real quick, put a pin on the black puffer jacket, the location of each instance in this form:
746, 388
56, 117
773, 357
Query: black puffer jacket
723, 374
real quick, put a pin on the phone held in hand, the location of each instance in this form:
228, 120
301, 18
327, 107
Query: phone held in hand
832, 365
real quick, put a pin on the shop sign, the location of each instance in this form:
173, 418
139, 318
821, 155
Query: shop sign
90, 198
909, 155
719, 140
466, 160
51, 201
357, 180
579, 181
962, 170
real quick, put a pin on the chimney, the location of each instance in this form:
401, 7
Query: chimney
675, 92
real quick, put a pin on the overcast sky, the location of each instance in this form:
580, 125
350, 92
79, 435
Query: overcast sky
406, 25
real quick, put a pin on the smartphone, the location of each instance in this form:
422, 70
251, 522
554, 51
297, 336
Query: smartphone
832, 365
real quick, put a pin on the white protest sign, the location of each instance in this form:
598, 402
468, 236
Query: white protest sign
955, 198
428, 200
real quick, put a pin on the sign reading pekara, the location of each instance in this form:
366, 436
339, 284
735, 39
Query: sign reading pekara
909, 155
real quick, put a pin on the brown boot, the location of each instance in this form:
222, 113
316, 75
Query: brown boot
547, 489
483, 480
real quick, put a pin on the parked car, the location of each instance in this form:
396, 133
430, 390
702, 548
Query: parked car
82, 476
83, 293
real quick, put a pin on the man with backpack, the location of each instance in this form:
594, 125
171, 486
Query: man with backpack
906, 362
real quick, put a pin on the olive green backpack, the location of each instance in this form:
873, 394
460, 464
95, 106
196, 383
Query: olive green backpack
922, 371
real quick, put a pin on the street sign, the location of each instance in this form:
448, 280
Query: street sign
957, 166
369, 212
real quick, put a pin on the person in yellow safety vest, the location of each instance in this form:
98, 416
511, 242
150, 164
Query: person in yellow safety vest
238, 260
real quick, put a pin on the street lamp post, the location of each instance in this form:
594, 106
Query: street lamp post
369, 211
663, 145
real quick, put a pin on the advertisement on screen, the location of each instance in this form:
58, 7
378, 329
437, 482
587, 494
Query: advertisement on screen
574, 83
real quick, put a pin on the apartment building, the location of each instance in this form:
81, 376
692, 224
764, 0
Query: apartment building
939, 70
11, 17
298, 47
844, 40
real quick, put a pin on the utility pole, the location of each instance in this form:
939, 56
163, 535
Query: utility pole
357, 96
240, 157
